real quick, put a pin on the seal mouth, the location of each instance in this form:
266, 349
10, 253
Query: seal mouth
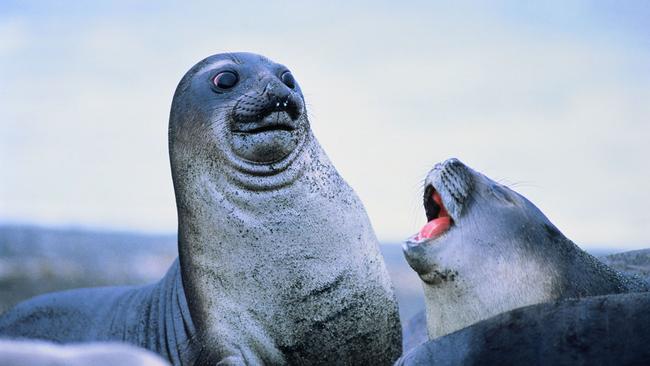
268, 129
438, 219
268, 140
275, 121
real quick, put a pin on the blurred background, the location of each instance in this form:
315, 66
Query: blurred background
550, 98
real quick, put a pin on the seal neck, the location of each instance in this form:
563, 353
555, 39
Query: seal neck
215, 203
234, 228
267, 255
257, 177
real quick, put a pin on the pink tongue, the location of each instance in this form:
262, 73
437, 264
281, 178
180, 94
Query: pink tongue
434, 228
437, 226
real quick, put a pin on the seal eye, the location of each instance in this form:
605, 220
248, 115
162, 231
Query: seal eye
502, 193
225, 80
288, 79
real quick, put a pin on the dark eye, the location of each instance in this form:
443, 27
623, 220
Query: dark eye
225, 80
288, 79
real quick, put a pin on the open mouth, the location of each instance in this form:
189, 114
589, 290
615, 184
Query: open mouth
438, 219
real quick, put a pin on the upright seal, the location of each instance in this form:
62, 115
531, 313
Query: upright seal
278, 262
486, 250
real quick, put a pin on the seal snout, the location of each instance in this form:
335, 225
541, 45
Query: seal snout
254, 107
447, 190
290, 103
266, 122
453, 180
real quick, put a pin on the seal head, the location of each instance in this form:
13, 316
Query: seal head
254, 111
487, 249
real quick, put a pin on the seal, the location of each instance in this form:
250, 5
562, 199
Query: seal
278, 262
40, 353
598, 330
486, 249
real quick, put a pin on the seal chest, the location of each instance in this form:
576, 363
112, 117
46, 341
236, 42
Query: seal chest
486, 249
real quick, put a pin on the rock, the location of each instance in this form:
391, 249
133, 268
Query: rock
636, 262
35, 260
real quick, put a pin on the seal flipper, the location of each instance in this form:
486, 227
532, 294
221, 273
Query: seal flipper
155, 317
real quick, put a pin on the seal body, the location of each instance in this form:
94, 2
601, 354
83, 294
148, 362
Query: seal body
40, 353
155, 317
278, 262
487, 250
598, 330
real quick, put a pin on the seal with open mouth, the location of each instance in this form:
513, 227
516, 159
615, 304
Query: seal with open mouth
278, 262
486, 249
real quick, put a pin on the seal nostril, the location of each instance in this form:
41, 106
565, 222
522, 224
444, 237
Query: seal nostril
287, 104
288, 79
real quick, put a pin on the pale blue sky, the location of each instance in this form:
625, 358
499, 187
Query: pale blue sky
553, 97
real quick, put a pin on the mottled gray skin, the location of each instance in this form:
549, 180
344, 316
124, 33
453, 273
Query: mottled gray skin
501, 253
600, 330
278, 261
40, 353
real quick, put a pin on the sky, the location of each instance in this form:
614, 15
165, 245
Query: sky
550, 98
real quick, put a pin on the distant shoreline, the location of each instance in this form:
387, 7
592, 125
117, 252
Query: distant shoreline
595, 250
